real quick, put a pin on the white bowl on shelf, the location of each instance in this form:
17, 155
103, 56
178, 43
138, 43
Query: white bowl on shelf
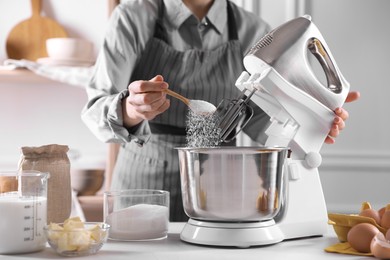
75, 49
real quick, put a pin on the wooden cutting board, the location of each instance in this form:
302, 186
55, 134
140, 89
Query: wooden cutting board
27, 40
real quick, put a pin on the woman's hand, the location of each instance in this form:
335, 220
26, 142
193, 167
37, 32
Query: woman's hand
341, 116
145, 101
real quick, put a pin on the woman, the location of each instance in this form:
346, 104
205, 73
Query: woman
194, 47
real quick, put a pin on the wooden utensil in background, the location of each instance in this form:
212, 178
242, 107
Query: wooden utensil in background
28, 38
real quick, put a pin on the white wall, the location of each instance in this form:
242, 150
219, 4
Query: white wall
35, 112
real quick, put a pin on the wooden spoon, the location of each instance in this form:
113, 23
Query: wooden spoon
197, 106
27, 40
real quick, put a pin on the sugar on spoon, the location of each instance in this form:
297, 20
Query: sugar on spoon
196, 106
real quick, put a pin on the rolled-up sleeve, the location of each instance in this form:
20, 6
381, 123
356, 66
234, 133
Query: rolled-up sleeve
119, 54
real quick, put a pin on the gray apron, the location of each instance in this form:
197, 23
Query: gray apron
196, 74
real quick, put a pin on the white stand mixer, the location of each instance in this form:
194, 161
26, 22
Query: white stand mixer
301, 114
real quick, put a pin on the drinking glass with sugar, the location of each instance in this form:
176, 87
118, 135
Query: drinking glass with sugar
137, 214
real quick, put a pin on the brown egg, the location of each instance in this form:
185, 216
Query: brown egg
360, 236
381, 211
371, 213
380, 247
385, 220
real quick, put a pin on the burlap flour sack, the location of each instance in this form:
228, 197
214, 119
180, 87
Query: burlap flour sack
54, 160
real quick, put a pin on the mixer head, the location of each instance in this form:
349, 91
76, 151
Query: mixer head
286, 50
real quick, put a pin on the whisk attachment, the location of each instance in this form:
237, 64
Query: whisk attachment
234, 116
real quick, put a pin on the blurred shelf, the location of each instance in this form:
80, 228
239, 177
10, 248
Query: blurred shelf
23, 76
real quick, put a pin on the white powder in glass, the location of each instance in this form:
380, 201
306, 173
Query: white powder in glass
139, 222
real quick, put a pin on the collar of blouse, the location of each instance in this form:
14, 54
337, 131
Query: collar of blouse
178, 13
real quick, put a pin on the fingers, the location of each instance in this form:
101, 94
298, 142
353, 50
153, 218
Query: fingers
146, 100
352, 96
158, 78
152, 99
341, 116
142, 86
338, 125
148, 93
334, 131
341, 113
329, 140
148, 113
148, 104
339, 122
144, 106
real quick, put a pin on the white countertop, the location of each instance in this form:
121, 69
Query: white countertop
173, 248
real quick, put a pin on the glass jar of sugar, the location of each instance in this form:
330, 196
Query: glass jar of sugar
137, 214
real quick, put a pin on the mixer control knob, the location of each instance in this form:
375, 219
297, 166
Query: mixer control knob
313, 159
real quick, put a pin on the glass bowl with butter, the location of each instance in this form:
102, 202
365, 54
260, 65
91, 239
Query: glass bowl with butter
76, 238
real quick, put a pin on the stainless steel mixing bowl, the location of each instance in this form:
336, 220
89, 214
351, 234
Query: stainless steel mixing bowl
233, 184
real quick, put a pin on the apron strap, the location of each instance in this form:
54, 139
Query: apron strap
159, 31
233, 35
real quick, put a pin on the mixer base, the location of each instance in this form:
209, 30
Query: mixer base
231, 234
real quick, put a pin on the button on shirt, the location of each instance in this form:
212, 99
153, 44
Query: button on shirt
130, 28
202, 26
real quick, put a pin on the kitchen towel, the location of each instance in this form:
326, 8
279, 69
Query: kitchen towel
76, 76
